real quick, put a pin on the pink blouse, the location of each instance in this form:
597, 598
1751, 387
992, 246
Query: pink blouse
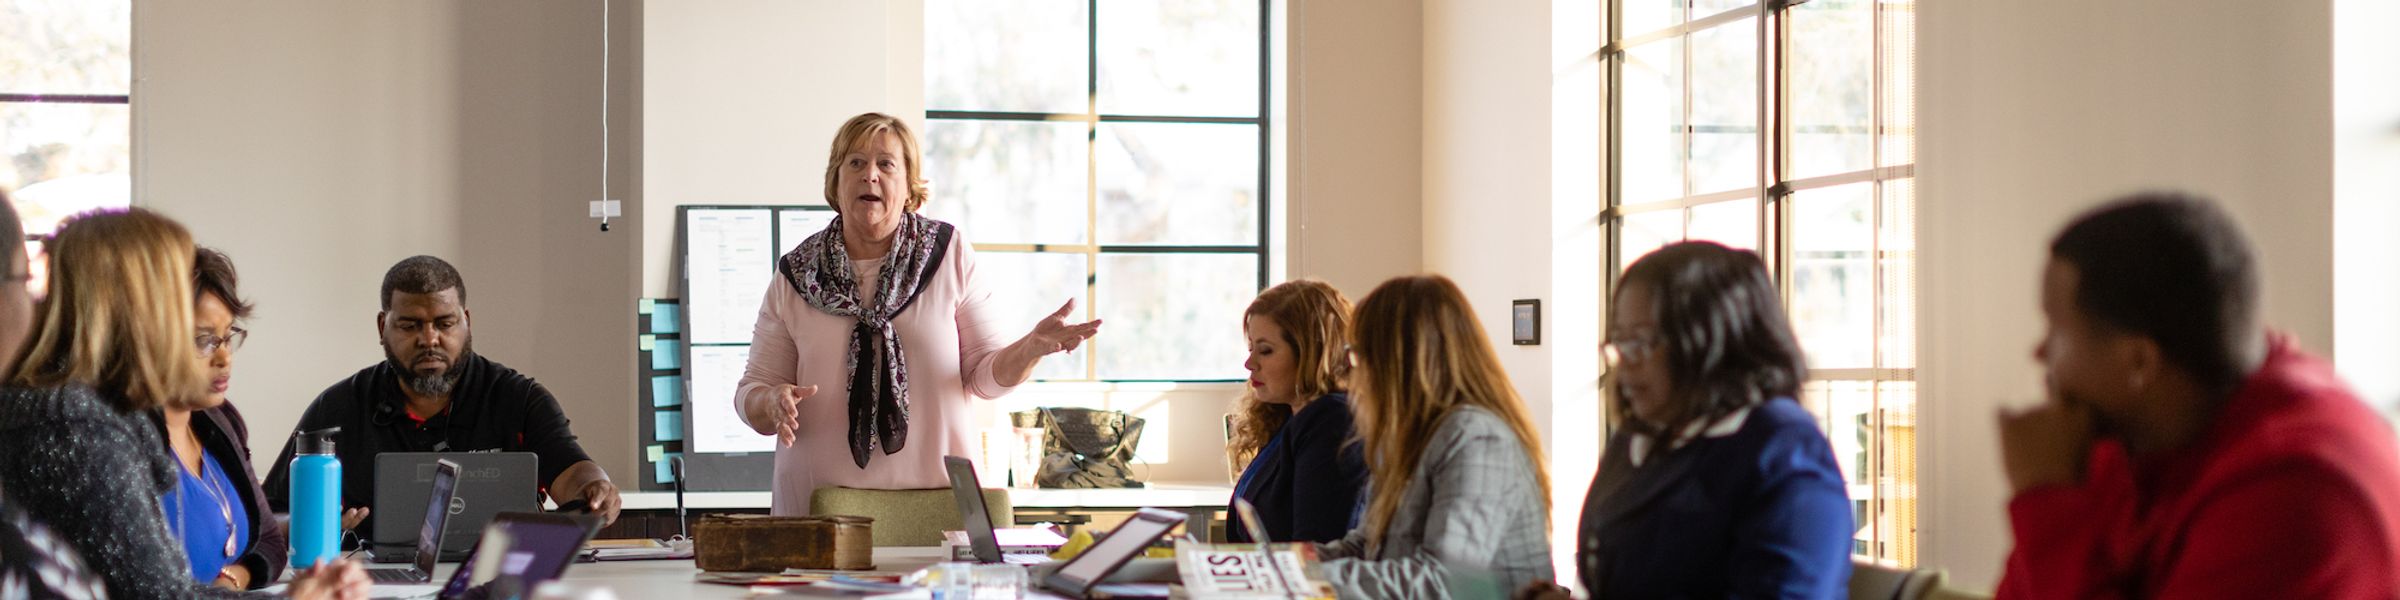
952, 342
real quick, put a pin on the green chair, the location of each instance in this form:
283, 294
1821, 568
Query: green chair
1870, 581
907, 517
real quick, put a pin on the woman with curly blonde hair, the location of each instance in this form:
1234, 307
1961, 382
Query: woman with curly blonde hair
1292, 429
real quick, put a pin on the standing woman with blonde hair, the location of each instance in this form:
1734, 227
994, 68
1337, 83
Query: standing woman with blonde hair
1459, 491
1293, 427
877, 332
77, 450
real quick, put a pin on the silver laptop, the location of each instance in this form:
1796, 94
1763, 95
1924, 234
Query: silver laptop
1266, 545
489, 483
976, 517
416, 577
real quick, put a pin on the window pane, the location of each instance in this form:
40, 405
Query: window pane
1027, 286
1895, 511
1732, 223
1650, 104
1645, 16
1007, 55
1725, 107
1175, 183
1646, 231
64, 159
37, 270
1179, 57
1703, 8
1896, 301
1899, 83
1832, 85
1009, 181
66, 47
1833, 298
1174, 316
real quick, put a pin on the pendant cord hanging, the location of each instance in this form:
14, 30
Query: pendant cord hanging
604, 197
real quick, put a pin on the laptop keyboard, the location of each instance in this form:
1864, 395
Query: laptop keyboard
393, 575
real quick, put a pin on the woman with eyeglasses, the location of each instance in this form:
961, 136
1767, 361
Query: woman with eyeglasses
78, 448
1716, 483
230, 534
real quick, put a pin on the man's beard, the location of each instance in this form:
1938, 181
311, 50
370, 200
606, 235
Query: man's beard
436, 384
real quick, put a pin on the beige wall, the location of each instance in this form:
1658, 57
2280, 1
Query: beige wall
1511, 210
742, 98
2032, 112
1352, 142
317, 143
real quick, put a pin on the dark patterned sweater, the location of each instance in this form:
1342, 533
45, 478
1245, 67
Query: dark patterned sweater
95, 476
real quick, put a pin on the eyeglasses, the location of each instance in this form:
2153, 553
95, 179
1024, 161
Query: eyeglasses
209, 342
1637, 349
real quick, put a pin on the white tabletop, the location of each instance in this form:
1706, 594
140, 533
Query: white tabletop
1159, 494
673, 579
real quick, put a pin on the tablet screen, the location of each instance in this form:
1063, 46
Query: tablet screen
1128, 540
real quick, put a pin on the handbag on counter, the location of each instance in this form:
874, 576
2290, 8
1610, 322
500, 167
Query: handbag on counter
1085, 448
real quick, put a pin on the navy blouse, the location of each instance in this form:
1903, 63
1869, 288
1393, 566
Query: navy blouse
1307, 487
1758, 513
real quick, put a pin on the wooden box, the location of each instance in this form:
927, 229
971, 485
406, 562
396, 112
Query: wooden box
764, 543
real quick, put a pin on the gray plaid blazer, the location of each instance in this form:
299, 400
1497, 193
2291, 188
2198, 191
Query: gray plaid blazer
1471, 517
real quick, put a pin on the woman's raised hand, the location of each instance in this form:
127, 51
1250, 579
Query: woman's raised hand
1054, 334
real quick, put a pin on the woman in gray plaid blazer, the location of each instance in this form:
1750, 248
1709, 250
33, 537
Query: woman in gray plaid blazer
1458, 497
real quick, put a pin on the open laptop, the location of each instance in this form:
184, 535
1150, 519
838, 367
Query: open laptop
416, 578
1266, 545
518, 552
489, 483
1080, 577
976, 517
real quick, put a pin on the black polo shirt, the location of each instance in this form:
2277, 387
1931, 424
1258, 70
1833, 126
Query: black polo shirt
494, 408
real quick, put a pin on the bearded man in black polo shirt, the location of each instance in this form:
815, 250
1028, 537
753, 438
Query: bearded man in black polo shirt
433, 393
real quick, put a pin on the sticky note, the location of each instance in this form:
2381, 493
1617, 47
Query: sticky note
645, 305
666, 355
666, 470
666, 391
657, 452
647, 342
670, 425
666, 318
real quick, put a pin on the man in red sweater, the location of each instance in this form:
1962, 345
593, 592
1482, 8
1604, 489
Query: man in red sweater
2184, 452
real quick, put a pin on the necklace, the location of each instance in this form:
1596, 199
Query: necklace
224, 503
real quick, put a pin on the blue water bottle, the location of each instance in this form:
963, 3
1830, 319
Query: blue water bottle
316, 498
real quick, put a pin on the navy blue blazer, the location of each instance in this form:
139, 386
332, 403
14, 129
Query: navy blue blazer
1309, 490
1761, 513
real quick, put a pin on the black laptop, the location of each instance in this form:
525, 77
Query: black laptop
489, 483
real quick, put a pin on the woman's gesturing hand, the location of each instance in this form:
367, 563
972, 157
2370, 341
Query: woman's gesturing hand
1054, 334
777, 412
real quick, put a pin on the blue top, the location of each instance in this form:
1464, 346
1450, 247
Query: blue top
198, 512
1308, 479
1759, 513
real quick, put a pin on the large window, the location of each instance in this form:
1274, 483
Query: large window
65, 78
1114, 152
1787, 127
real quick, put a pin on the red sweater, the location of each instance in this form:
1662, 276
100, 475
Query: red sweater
2293, 493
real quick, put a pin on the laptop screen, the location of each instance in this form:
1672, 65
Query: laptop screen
1111, 552
530, 548
437, 513
972, 514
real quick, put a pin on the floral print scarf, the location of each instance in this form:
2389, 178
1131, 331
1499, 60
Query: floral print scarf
820, 270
